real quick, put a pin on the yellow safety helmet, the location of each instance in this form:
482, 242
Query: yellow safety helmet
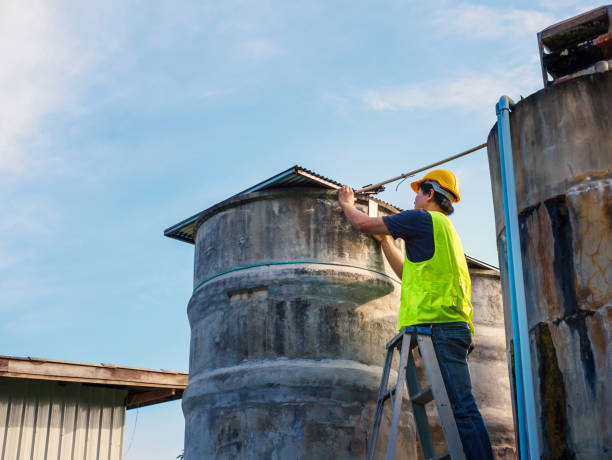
446, 179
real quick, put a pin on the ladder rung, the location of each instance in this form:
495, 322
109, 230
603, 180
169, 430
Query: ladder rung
421, 339
387, 394
396, 342
423, 397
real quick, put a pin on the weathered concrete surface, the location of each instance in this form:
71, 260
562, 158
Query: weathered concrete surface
562, 143
488, 363
286, 357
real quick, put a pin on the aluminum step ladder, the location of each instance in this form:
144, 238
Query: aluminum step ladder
408, 339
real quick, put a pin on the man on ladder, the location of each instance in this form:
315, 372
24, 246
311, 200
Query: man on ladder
436, 289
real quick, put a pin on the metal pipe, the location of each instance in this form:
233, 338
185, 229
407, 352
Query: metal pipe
526, 414
412, 173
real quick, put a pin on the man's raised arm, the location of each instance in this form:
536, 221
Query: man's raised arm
374, 226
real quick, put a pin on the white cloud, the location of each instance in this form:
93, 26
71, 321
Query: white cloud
470, 92
522, 25
480, 21
557, 4
474, 91
54, 51
579, 6
29, 77
46, 48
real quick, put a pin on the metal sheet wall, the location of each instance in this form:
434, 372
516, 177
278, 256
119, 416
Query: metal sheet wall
42, 420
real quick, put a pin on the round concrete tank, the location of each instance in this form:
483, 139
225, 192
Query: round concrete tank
291, 312
562, 154
487, 362
287, 343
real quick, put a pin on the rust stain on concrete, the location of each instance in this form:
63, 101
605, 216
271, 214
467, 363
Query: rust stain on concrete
563, 266
552, 394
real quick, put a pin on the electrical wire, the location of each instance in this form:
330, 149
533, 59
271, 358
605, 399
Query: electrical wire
133, 433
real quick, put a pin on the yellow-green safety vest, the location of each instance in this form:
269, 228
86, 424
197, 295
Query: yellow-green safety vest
437, 290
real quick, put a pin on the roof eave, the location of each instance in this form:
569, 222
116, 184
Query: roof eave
144, 386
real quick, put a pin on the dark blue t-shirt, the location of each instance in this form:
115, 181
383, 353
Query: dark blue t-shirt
416, 228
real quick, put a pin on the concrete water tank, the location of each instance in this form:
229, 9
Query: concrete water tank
562, 154
286, 344
487, 362
289, 318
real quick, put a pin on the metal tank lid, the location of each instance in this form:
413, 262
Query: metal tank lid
296, 176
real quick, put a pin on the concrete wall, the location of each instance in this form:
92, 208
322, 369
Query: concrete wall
562, 142
488, 364
286, 357
42, 420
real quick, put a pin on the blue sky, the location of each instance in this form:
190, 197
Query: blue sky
121, 118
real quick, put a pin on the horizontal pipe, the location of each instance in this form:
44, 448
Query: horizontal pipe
412, 173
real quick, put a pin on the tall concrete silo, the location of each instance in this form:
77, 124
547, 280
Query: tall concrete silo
290, 315
562, 156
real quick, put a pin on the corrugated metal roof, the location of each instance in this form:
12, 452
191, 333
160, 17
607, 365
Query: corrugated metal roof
144, 386
104, 374
475, 263
296, 176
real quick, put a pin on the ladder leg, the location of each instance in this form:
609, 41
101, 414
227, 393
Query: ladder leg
379, 404
445, 411
399, 393
418, 410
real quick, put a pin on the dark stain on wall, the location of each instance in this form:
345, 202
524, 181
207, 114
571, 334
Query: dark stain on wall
530, 278
300, 307
279, 328
328, 329
527, 212
514, 395
228, 438
552, 396
608, 207
563, 266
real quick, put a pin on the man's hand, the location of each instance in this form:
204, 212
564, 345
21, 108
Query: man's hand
358, 219
346, 196
382, 238
378, 238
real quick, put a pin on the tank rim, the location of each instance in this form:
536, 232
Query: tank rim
238, 200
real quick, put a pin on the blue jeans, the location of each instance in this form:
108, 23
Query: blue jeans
452, 342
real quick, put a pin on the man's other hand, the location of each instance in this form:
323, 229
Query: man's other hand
382, 238
346, 196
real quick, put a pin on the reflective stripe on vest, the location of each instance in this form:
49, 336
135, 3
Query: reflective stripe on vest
437, 290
